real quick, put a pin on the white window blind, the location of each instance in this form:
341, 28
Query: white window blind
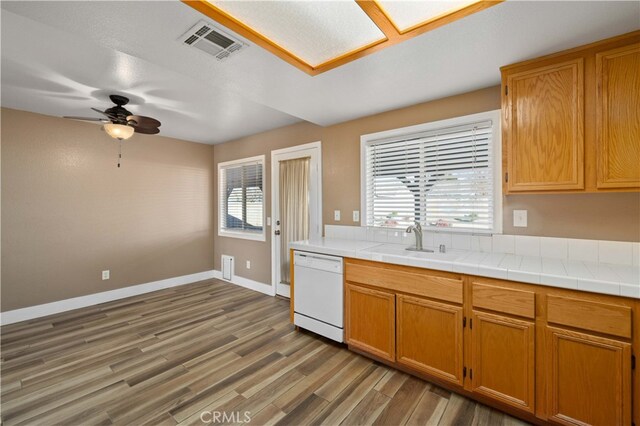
241, 198
442, 178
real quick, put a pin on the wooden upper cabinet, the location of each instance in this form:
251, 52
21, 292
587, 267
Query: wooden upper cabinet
544, 117
571, 120
503, 359
618, 117
430, 337
370, 321
589, 379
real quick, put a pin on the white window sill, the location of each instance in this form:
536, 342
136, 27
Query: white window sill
243, 235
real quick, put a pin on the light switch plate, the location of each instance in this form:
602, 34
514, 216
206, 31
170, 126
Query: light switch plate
356, 216
105, 275
520, 218
248, 264
336, 215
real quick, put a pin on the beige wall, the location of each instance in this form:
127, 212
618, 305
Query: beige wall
68, 212
341, 145
607, 216
597, 216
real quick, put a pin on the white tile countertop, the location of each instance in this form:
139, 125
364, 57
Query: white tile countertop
585, 275
333, 246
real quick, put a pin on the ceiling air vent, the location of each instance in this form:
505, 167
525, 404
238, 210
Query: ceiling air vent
212, 40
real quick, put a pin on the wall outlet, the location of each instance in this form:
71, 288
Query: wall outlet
356, 216
336, 215
248, 264
105, 275
520, 218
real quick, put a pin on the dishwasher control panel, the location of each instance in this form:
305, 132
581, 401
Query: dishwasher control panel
318, 261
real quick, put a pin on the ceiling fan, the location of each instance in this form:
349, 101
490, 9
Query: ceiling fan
121, 124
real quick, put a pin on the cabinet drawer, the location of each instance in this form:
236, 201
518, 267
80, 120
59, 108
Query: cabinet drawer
587, 315
502, 299
418, 283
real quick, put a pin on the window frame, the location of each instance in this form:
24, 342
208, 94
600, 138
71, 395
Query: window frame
496, 141
242, 234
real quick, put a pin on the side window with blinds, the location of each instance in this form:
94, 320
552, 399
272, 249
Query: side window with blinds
442, 177
241, 198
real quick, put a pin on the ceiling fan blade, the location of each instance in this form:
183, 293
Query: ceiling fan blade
142, 121
103, 120
103, 113
146, 130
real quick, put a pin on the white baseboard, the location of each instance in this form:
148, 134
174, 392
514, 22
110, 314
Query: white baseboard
247, 283
37, 311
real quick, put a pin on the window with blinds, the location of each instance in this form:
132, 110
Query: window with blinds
442, 178
241, 198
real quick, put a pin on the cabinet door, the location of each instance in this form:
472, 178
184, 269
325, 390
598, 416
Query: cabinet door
589, 379
430, 337
503, 359
370, 321
618, 117
545, 121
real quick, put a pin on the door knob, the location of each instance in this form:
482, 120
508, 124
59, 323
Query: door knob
277, 232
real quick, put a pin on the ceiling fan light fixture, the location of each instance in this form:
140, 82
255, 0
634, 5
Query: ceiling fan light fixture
118, 131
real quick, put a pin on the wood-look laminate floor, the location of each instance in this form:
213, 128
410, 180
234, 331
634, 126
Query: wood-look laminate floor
170, 356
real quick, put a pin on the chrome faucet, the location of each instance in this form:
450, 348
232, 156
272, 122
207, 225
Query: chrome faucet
417, 229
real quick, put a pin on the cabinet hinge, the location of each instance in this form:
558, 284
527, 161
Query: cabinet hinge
506, 90
506, 177
633, 362
471, 373
464, 371
464, 322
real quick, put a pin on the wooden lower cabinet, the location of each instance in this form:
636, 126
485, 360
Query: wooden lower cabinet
544, 354
370, 321
503, 359
429, 337
589, 379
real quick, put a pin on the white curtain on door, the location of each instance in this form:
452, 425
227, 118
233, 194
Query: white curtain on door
294, 208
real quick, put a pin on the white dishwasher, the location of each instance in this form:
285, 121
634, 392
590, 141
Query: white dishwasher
318, 294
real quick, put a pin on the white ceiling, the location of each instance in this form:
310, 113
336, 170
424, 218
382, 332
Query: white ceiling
60, 58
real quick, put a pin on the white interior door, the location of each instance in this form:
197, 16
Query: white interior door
313, 152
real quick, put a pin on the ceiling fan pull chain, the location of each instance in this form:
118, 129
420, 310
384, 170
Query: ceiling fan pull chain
119, 152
